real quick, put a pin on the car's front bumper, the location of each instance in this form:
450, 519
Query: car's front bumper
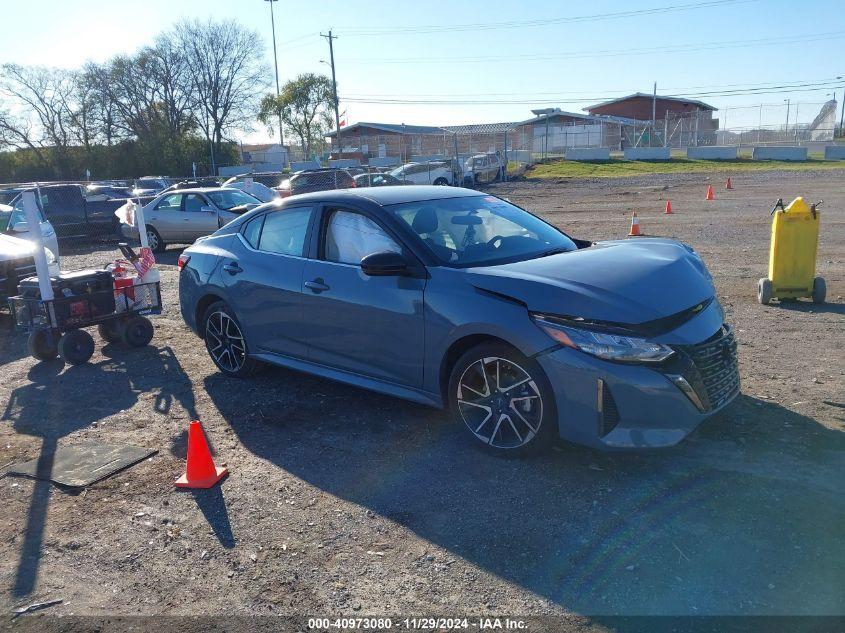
614, 406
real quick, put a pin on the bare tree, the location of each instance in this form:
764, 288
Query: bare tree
42, 99
228, 74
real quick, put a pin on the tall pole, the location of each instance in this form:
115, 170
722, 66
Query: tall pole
653, 113
331, 38
787, 117
276, 67
842, 116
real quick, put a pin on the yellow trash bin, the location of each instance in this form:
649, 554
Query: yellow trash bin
792, 254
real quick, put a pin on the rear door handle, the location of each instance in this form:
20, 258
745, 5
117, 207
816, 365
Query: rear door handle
316, 286
233, 268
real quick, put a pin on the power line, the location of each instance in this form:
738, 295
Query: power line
766, 84
680, 48
530, 99
515, 24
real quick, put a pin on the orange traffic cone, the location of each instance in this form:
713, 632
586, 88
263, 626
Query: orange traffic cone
729, 184
635, 225
201, 471
709, 193
668, 207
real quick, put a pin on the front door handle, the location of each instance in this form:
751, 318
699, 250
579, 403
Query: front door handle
317, 286
233, 268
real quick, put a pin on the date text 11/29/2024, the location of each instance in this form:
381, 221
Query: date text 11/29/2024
417, 624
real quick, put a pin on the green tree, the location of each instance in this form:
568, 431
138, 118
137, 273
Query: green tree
305, 106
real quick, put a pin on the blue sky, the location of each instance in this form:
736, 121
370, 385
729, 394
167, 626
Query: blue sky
388, 50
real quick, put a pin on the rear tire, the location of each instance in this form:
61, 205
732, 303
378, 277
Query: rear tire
819, 290
764, 291
110, 331
76, 347
43, 345
503, 400
441, 182
226, 343
137, 331
157, 244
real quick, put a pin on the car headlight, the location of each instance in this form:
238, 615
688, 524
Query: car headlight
615, 347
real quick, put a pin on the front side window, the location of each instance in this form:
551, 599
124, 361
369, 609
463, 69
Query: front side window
194, 202
480, 230
170, 203
352, 236
284, 231
231, 198
17, 218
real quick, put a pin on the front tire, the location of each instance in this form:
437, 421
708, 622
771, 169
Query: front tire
819, 290
225, 342
441, 182
76, 347
137, 331
504, 400
764, 291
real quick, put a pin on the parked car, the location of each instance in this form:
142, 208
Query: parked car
457, 299
72, 216
13, 222
376, 180
430, 173
150, 186
484, 168
311, 180
101, 192
17, 262
197, 183
184, 216
269, 179
253, 188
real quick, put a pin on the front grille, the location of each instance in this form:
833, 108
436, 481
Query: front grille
714, 373
11, 272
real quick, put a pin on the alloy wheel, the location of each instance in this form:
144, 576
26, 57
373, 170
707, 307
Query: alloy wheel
500, 402
225, 342
152, 239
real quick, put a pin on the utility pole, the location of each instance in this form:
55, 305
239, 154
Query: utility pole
787, 117
653, 113
331, 38
276, 67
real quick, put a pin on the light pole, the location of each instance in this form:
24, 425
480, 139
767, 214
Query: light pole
276, 68
841, 116
786, 129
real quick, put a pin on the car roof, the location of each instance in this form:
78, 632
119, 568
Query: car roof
385, 195
199, 190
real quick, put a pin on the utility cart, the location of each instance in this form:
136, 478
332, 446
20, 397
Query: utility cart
85, 299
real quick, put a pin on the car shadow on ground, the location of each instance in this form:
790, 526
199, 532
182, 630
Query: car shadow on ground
52, 405
717, 524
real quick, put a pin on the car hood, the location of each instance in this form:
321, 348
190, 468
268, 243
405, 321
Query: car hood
623, 281
15, 247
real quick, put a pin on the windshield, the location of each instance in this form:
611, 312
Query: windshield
147, 183
480, 230
231, 198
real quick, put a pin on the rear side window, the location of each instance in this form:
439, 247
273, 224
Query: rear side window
252, 231
170, 203
284, 231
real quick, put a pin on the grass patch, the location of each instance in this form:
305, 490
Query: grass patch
621, 168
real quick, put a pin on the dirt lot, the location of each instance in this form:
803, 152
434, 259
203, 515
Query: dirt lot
340, 501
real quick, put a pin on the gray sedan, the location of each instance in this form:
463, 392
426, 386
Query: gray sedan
184, 216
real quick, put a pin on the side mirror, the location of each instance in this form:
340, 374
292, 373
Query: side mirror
384, 264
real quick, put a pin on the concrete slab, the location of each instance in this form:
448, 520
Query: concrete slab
834, 152
646, 153
713, 152
587, 153
779, 152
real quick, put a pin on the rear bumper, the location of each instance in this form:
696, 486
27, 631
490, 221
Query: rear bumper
645, 409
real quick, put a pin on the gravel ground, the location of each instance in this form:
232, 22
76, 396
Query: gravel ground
340, 501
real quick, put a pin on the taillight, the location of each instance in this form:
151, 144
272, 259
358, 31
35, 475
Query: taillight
353, 184
182, 261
